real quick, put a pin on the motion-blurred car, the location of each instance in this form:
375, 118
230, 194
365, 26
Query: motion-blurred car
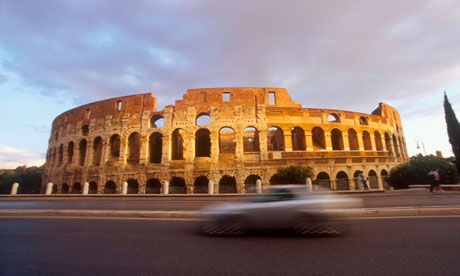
284, 207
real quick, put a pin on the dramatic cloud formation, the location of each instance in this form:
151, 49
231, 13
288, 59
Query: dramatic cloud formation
331, 54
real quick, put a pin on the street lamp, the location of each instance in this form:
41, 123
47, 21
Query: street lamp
418, 141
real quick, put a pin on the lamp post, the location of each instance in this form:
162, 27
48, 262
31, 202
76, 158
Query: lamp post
418, 141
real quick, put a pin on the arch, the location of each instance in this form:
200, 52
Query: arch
153, 186
76, 188
322, 180
70, 147
275, 139
155, 147
177, 186
363, 120
157, 121
65, 189
319, 141
298, 138
250, 139
227, 185
134, 148
82, 152
177, 146
110, 187
342, 181
388, 142
92, 188
367, 140
333, 118
60, 154
227, 141
355, 178
55, 189
200, 186
336, 139
378, 141
353, 139
250, 183
114, 145
384, 176
203, 119
401, 147
133, 186
202, 143
395, 145
373, 181
97, 151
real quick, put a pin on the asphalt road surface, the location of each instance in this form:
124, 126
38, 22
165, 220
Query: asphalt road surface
396, 246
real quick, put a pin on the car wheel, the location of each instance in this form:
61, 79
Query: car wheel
233, 227
314, 226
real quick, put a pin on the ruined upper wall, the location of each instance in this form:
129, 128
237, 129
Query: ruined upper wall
115, 107
237, 96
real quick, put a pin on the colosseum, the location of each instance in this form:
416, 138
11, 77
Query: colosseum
228, 137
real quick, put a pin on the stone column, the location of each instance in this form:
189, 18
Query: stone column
144, 149
287, 141
360, 141
373, 145
214, 136
210, 187
380, 182
239, 147
123, 149
263, 144
346, 141
328, 139
308, 142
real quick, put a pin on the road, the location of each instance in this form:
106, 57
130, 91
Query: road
379, 200
396, 246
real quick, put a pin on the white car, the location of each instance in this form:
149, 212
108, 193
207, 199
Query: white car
284, 207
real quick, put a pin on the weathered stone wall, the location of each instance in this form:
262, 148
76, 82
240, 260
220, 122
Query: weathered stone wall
250, 132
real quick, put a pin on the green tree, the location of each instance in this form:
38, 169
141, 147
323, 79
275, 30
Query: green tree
29, 180
415, 172
453, 129
291, 175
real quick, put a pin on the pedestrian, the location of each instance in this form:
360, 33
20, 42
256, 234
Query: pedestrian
365, 179
360, 182
437, 180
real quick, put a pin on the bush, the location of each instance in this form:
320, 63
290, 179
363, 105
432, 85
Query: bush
291, 175
29, 179
415, 172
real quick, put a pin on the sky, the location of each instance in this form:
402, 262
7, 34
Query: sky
344, 54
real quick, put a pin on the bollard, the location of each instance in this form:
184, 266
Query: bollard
85, 188
124, 188
309, 185
49, 188
165, 187
210, 187
258, 186
14, 188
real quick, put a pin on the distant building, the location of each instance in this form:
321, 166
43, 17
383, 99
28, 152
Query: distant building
439, 154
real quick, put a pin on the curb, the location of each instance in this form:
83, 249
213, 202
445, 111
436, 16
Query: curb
349, 213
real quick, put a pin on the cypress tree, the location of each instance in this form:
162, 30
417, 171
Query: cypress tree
453, 129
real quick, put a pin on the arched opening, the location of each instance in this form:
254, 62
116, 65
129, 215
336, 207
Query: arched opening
157, 121
298, 138
363, 120
355, 179
396, 146
336, 139
319, 141
373, 181
92, 188
250, 183
177, 144
153, 186
55, 189
133, 186
97, 151
378, 141
227, 141
114, 145
322, 180
110, 187
367, 141
333, 118
203, 120
54, 156
65, 189
250, 139
155, 147
76, 188
342, 181
401, 146
227, 185
384, 176
200, 186
275, 139
134, 148
82, 152
61, 154
353, 139
177, 186
388, 143
202, 143
70, 152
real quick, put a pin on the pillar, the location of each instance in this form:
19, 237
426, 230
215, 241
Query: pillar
85, 188
309, 185
165, 187
124, 188
14, 188
210, 187
346, 141
327, 137
49, 188
287, 141
308, 142
258, 186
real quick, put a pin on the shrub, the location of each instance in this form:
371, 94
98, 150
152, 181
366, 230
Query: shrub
291, 175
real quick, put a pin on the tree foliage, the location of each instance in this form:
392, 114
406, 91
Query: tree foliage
292, 175
453, 130
415, 172
29, 179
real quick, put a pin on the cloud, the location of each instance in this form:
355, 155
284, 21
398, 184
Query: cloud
11, 158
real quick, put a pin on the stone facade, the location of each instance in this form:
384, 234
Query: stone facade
231, 136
